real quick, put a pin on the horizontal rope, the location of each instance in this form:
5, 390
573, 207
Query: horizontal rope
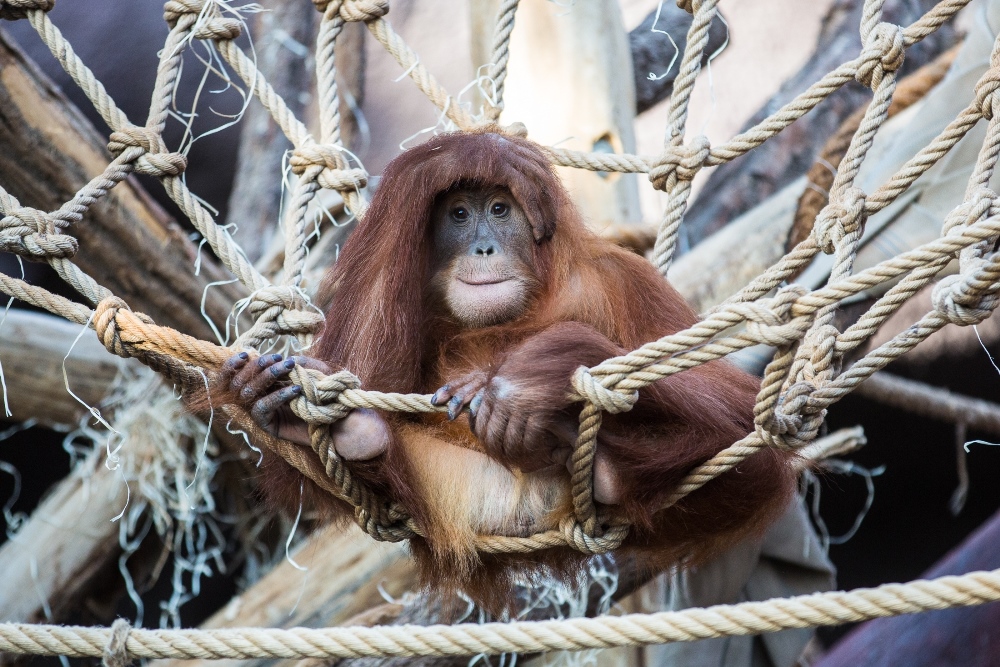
574, 634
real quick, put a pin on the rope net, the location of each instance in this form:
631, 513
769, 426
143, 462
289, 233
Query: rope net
804, 378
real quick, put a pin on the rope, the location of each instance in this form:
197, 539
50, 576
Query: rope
802, 381
572, 634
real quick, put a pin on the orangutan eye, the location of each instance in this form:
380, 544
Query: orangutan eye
460, 213
500, 209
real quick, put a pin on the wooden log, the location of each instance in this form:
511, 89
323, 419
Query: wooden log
48, 151
52, 561
964, 636
707, 275
570, 82
32, 349
740, 185
932, 402
282, 37
346, 573
653, 52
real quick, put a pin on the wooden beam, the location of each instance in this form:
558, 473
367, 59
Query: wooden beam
735, 188
32, 348
51, 562
345, 576
653, 53
48, 150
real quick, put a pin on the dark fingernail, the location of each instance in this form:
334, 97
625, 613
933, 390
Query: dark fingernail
474, 405
275, 358
289, 363
244, 356
297, 388
454, 407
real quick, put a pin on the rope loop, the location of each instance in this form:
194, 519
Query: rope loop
335, 174
842, 216
381, 518
151, 157
12, 10
106, 326
882, 54
357, 10
592, 545
591, 390
955, 298
680, 163
986, 89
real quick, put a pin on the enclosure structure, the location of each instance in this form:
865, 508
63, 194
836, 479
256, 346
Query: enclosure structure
801, 381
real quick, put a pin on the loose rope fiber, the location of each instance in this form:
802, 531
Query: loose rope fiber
802, 381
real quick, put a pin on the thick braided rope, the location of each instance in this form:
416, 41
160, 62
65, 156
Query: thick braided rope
573, 634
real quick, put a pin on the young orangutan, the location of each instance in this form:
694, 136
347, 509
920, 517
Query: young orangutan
472, 277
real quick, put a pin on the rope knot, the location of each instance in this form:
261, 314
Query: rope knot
769, 321
30, 233
218, 28
205, 24
174, 10
150, 155
955, 298
357, 10
281, 310
978, 206
795, 421
842, 216
116, 651
515, 129
13, 10
986, 88
588, 388
107, 327
577, 538
680, 163
882, 54
333, 172
319, 402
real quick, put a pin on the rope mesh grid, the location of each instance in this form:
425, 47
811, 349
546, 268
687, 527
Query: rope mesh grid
799, 384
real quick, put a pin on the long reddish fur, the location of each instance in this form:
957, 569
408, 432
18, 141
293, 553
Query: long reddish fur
595, 301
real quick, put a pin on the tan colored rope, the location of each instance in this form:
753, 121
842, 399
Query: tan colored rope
573, 634
820, 176
800, 383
